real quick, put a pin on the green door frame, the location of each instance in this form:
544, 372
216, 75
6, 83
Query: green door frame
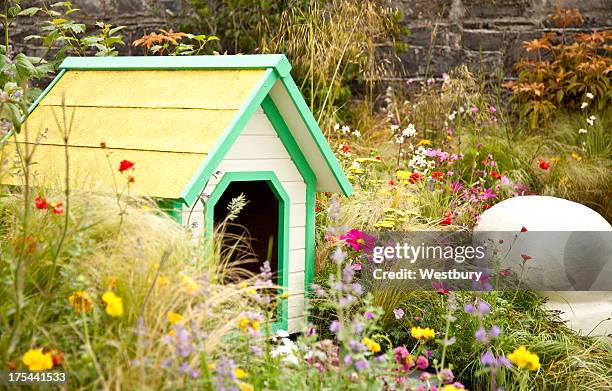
283, 227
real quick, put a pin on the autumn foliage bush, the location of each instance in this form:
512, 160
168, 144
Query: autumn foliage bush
565, 70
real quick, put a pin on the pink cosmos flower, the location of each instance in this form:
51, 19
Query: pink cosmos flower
359, 241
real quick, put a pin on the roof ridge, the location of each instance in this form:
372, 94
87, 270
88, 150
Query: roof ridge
237, 61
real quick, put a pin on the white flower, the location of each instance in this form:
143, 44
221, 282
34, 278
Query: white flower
410, 131
399, 140
282, 333
345, 129
357, 133
452, 115
336, 127
356, 164
582, 131
589, 95
591, 120
583, 105
394, 128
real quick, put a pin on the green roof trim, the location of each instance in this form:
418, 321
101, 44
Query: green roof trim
260, 61
317, 135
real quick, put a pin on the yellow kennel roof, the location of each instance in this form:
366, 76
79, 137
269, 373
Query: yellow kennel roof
174, 117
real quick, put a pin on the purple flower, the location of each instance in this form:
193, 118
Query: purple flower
469, 308
481, 335
488, 359
338, 255
503, 361
492, 109
399, 313
368, 315
362, 364
474, 109
483, 307
357, 327
334, 326
422, 362
494, 332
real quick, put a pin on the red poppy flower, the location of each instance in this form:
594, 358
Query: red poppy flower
543, 165
526, 257
58, 208
486, 206
345, 149
57, 357
441, 288
41, 203
125, 165
523, 229
447, 220
495, 174
505, 273
392, 182
415, 177
437, 175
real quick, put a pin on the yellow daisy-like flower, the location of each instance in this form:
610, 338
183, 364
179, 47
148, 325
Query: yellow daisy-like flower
239, 373
403, 174
36, 360
80, 301
189, 284
422, 333
424, 142
524, 359
245, 387
174, 318
114, 304
450, 387
576, 157
366, 160
372, 345
284, 295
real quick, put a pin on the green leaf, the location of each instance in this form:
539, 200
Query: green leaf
29, 37
29, 11
114, 30
71, 11
25, 69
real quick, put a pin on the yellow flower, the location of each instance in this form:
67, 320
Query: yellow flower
403, 174
114, 304
576, 157
385, 224
174, 317
450, 387
251, 291
524, 359
161, 281
243, 285
393, 211
189, 284
367, 160
422, 333
424, 142
356, 170
372, 345
285, 295
256, 325
239, 373
245, 387
36, 360
80, 301
245, 324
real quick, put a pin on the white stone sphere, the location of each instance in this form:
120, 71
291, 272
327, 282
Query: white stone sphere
585, 302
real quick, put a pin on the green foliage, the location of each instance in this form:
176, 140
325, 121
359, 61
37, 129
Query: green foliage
243, 25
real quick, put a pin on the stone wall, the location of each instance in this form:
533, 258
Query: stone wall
486, 34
